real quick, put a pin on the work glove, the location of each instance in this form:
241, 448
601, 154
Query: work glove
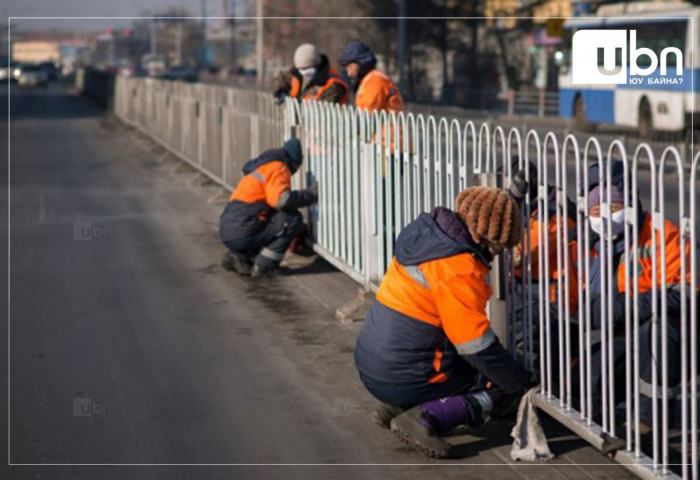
279, 95
313, 189
506, 404
518, 185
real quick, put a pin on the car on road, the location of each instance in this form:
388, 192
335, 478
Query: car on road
182, 74
12, 71
33, 76
51, 70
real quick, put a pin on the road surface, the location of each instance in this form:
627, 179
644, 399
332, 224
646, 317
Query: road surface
130, 345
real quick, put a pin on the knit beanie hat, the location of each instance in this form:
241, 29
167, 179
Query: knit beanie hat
306, 56
597, 195
491, 216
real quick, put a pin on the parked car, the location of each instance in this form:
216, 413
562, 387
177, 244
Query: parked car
183, 74
50, 69
33, 76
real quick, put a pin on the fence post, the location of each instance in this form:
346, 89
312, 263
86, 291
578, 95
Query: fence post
368, 211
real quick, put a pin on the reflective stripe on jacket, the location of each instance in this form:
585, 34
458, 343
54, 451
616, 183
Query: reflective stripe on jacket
430, 310
264, 188
673, 258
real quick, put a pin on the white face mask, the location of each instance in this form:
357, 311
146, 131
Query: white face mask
617, 220
307, 73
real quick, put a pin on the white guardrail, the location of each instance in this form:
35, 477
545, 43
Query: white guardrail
377, 172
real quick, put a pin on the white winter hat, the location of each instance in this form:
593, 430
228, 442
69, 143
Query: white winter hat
306, 56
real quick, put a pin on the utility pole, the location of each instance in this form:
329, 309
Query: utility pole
153, 36
402, 44
178, 43
259, 41
232, 30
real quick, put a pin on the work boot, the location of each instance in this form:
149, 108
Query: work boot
236, 262
260, 271
385, 413
418, 428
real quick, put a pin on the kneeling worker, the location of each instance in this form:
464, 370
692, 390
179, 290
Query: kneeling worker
262, 215
426, 349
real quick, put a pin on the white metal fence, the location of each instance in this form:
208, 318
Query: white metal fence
378, 171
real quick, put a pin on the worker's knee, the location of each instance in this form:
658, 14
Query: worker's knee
293, 222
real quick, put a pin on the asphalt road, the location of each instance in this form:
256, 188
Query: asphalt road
129, 345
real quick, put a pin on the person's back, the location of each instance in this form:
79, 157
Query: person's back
261, 217
374, 91
377, 92
426, 344
421, 293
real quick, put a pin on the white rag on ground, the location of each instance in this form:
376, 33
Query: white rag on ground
530, 443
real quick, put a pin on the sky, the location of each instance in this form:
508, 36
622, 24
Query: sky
96, 8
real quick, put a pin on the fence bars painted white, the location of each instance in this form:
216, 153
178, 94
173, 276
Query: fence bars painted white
378, 171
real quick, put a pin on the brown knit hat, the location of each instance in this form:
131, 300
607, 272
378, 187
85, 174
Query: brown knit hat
491, 215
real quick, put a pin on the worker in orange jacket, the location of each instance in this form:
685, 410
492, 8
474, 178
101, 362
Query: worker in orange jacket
528, 255
373, 89
311, 78
426, 344
262, 215
620, 261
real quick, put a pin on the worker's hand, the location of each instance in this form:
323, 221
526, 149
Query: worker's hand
506, 404
279, 95
313, 189
518, 185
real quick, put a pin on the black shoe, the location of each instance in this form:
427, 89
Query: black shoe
259, 271
385, 413
414, 428
236, 262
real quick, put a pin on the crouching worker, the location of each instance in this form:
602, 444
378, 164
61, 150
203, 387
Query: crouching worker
426, 350
262, 215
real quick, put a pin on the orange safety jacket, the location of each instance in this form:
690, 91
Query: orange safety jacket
316, 92
673, 250
554, 272
264, 188
266, 184
623, 260
429, 314
377, 92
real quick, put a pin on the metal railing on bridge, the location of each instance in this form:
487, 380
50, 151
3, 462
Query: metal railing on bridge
378, 171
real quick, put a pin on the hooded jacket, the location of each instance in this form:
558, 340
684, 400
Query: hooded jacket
429, 314
264, 189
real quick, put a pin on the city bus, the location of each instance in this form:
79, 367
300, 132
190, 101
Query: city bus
654, 105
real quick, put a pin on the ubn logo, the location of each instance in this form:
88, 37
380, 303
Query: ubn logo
87, 407
585, 67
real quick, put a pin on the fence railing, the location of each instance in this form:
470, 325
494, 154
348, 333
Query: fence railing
614, 367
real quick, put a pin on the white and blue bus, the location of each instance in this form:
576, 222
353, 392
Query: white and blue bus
654, 104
